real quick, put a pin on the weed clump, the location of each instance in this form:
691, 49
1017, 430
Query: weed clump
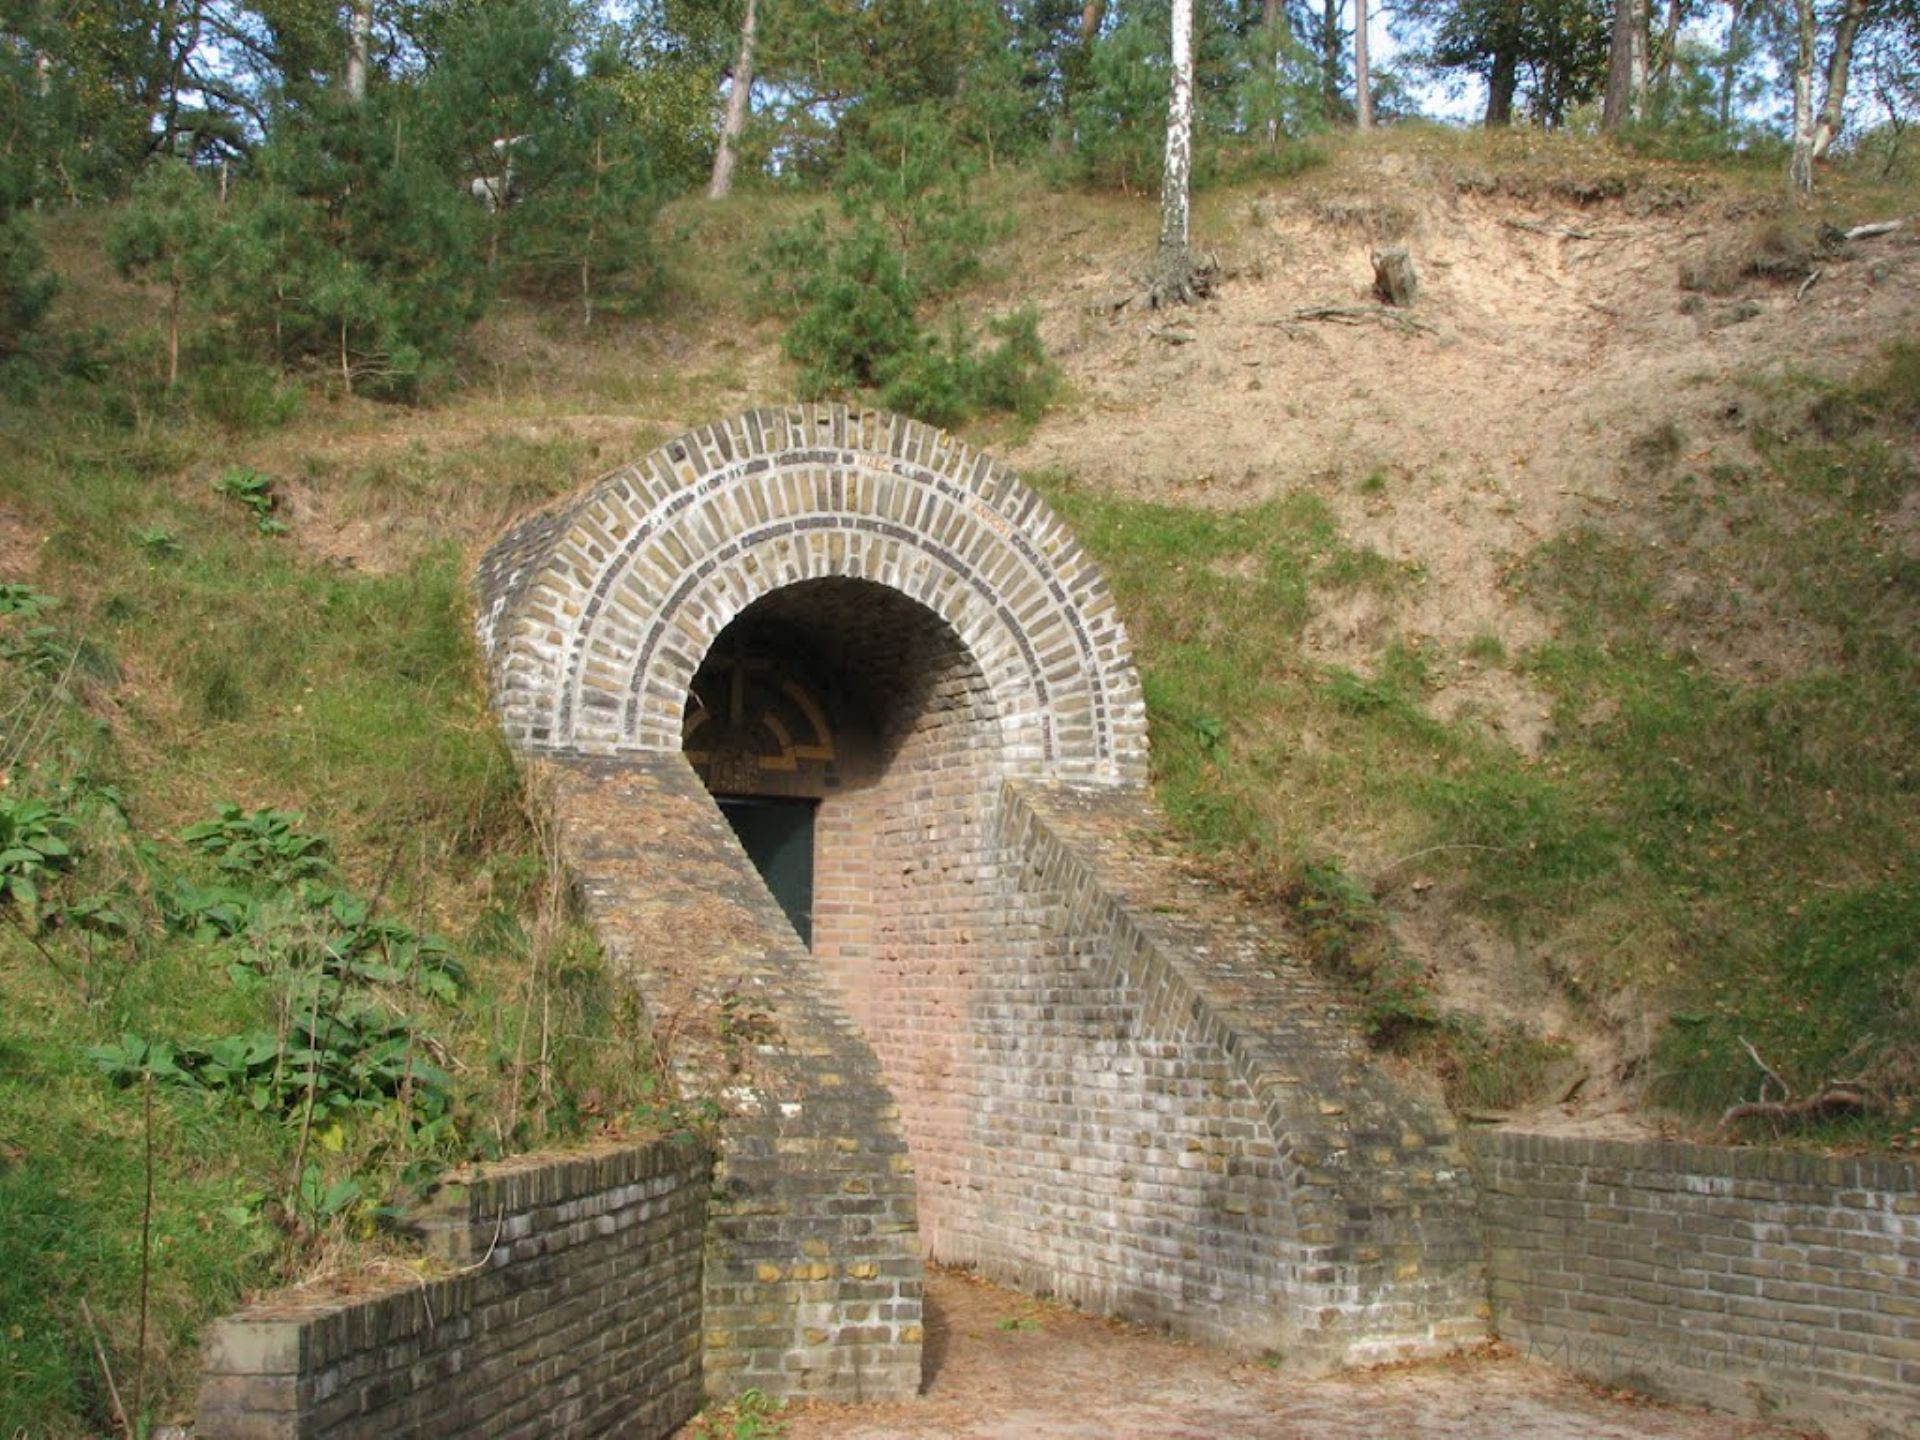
1781, 251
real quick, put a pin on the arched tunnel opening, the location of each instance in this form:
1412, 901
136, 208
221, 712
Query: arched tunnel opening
850, 738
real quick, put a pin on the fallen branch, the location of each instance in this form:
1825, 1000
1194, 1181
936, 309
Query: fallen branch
1765, 1069
1563, 232
1839, 1095
1813, 278
1172, 337
106, 1371
1352, 315
1834, 1098
1878, 227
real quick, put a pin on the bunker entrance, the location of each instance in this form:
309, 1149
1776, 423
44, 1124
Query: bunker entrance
851, 739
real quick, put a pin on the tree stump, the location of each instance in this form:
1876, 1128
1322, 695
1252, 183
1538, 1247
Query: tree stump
1394, 279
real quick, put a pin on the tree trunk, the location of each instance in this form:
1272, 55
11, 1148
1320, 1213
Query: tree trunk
739, 107
1670, 44
1626, 66
1362, 79
359, 34
1502, 80
1800, 168
1174, 277
1395, 281
173, 326
1729, 63
1330, 59
1092, 16
1832, 118
1270, 30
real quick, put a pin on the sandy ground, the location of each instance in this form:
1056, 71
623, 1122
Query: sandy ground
1551, 338
1004, 1367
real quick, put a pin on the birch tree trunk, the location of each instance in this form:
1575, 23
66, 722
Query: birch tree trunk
739, 107
1174, 280
359, 37
1832, 118
1800, 168
1626, 97
1362, 77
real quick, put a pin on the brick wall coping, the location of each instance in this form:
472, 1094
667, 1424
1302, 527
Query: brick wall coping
464, 1221
1381, 1196
1673, 1164
575, 1313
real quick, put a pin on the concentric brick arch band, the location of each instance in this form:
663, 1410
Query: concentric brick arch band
596, 616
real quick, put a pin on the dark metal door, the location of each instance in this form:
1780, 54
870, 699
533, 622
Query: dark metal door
777, 835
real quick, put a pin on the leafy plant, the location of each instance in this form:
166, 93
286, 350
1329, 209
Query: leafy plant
23, 600
206, 913
34, 849
324, 1200
750, 1415
344, 1053
250, 488
264, 843
158, 541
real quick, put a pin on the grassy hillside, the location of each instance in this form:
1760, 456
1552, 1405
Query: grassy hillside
1576, 723
259, 832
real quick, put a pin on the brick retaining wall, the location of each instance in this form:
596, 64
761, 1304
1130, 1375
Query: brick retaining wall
1179, 1121
1775, 1284
576, 1314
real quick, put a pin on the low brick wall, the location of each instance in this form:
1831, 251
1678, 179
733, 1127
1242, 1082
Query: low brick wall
577, 1314
1179, 1121
1771, 1284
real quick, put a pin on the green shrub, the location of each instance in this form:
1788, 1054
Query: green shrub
855, 295
945, 381
858, 321
27, 287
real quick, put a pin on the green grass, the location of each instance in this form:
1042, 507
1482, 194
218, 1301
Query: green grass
230, 665
1770, 816
1725, 818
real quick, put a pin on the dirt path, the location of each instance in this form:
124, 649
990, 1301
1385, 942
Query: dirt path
1005, 1367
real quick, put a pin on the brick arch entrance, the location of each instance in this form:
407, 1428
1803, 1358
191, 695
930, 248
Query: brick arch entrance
1019, 1038
597, 616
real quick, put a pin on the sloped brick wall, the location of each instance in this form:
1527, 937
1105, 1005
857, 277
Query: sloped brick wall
1780, 1285
1177, 1120
576, 1314
813, 1275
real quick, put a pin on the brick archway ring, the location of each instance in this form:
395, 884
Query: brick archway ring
595, 616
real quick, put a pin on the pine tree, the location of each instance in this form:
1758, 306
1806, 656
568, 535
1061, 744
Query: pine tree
164, 233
